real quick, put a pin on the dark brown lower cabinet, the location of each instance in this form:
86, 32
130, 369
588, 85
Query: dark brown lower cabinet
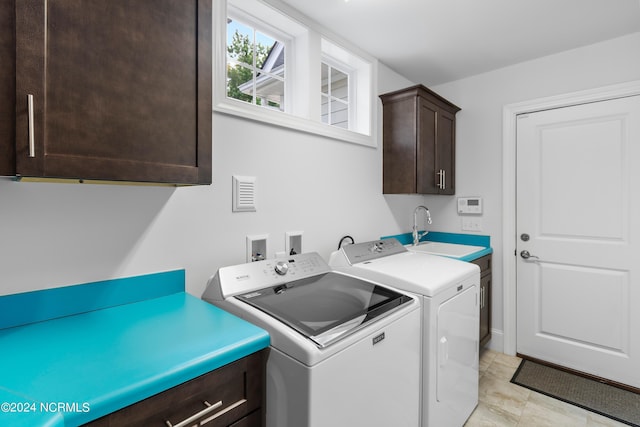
485, 298
232, 395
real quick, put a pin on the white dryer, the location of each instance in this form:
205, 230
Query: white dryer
448, 290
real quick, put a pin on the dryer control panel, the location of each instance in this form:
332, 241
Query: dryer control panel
367, 251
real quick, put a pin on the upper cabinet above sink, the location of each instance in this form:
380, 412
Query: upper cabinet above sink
419, 134
107, 90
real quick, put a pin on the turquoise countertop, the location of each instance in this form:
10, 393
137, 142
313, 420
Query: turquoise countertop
457, 238
82, 365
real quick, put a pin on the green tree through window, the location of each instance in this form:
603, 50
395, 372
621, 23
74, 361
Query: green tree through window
240, 68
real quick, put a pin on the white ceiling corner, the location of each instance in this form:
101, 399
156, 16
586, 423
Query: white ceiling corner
436, 41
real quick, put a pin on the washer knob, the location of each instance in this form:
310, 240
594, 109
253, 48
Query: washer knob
281, 268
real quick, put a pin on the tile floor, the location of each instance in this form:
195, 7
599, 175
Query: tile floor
502, 403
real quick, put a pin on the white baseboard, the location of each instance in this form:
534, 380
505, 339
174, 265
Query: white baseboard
496, 343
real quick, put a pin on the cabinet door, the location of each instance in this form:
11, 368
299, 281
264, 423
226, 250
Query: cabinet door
485, 298
7, 88
445, 152
426, 182
485, 309
121, 89
399, 133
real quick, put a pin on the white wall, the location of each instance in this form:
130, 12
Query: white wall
61, 234
479, 129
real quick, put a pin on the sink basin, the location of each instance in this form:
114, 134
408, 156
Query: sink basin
445, 249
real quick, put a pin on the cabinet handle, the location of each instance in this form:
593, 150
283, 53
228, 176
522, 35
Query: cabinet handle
200, 414
442, 179
32, 144
224, 411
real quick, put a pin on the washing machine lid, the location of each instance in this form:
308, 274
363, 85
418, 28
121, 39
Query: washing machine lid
419, 273
326, 307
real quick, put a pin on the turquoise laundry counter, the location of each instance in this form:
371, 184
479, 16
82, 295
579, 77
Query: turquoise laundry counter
457, 238
71, 355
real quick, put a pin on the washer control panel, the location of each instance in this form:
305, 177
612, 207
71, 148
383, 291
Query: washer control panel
367, 251
243, 278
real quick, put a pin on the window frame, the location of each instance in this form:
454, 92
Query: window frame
302, 98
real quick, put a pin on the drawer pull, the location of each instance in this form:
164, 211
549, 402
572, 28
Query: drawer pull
194, 417
224, 411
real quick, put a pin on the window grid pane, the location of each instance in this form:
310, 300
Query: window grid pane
334, 96
255, 66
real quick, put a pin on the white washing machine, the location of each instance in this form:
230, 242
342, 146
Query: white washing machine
448, 290
344, 350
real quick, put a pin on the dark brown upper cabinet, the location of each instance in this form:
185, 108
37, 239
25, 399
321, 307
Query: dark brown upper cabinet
114, 90
7, 88
419, 141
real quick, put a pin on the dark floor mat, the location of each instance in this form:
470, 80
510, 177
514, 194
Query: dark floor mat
610, 401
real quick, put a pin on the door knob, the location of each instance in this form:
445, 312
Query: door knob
527, 255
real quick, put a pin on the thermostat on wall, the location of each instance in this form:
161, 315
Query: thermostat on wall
469, 205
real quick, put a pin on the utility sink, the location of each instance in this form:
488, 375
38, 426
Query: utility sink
445, 249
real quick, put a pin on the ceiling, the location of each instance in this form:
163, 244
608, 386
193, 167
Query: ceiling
436, 41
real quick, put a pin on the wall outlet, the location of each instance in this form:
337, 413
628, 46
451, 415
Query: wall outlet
293, 242
257, 247
472, 224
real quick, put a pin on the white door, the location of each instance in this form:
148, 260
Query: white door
578, 217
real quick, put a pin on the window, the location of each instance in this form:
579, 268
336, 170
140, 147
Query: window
255, 66
334, 93
269, 66
353, 80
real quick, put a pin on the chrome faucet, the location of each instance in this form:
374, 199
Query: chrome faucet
416, 234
